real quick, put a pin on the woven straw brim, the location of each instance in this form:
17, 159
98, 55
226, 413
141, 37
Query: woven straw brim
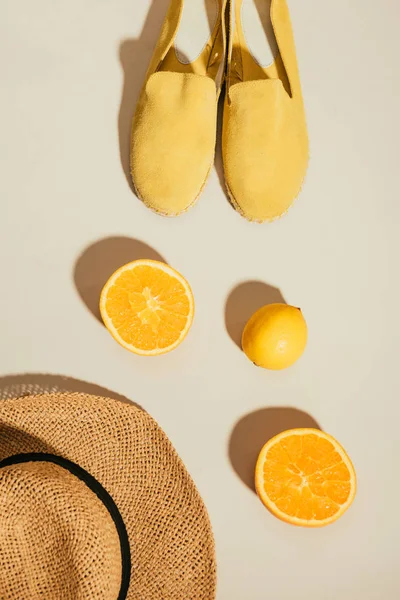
123, 448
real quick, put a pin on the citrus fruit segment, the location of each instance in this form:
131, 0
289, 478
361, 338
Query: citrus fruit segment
147, 307
304, 477
275, 336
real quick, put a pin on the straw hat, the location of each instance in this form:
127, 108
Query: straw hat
95, 503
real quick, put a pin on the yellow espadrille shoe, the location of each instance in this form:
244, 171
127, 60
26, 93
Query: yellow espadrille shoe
264, 140
174, 127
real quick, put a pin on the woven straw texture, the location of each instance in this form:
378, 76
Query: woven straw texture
172, 547
58, 534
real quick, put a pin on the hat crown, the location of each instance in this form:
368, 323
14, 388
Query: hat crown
125, 459
57, 538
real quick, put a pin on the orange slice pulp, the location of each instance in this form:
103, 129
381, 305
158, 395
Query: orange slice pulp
304, 477
147, 307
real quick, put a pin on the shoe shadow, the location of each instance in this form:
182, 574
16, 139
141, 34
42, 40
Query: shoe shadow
134, 56
243, 301
30, 384
253, 430
100, 260
218, 163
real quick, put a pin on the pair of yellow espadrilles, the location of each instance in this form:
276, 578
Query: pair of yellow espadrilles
264, 137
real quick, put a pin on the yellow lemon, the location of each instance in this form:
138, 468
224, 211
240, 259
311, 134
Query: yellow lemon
275, 336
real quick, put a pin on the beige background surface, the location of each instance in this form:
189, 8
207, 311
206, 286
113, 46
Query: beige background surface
70, 75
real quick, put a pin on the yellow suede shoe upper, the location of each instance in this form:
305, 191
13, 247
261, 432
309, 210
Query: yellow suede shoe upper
174, 127
264, 141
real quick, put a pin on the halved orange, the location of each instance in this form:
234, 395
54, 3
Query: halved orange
147, 307
304, 477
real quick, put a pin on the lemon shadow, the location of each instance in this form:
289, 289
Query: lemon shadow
242, 303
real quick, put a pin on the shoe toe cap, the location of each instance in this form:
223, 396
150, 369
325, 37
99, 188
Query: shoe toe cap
173, 140
265, 149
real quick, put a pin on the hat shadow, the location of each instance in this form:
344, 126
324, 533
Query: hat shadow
242, 303
18, 441
100, 260
254, 430
31, 384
